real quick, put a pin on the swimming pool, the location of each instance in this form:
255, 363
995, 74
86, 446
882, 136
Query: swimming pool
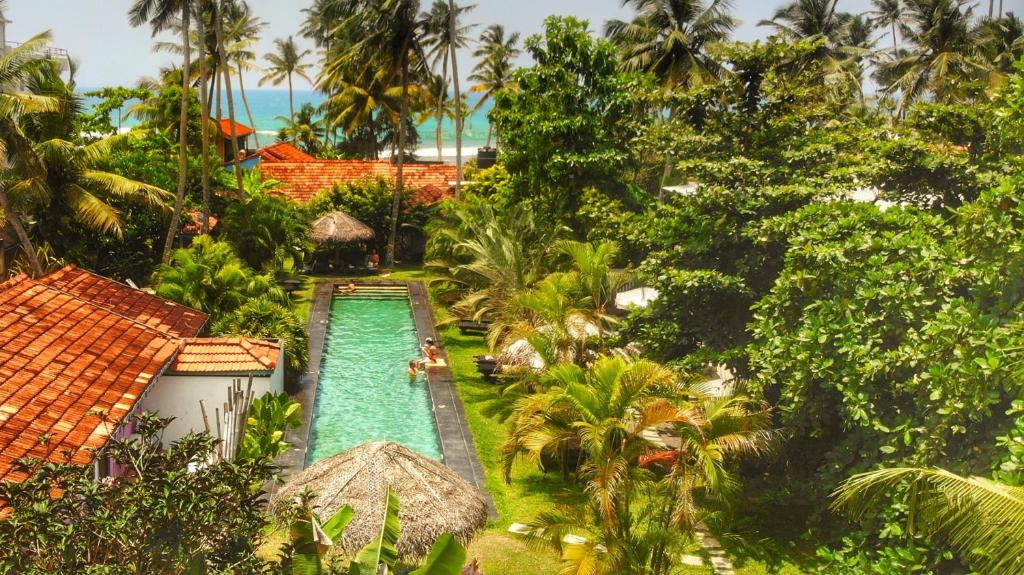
364, 393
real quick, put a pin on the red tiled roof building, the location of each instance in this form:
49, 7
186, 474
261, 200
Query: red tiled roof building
303, 180
77, 351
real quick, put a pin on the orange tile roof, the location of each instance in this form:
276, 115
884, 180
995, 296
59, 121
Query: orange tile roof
282, 152
168, 317
303, 180
235, 355
76, 353
240, 129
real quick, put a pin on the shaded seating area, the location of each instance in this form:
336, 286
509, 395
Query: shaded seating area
343, 245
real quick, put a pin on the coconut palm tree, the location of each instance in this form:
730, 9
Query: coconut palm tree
493, 72
942, 58
1001, 42
222, 13
303, 129
389, 33
285, 63
810, 19
889, 14
438, 41
160, 15
980, 519
670, 39
242, 34
48, 170
15, 66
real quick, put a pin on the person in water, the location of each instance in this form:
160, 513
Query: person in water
351, 287
414, 369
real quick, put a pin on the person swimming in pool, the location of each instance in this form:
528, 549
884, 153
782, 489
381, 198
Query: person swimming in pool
351, 287
414, 369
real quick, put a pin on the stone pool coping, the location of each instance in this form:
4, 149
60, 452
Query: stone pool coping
449, 413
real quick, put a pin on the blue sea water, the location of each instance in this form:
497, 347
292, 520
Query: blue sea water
270, 109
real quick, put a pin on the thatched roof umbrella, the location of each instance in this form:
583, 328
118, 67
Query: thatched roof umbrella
433, 499
339, 227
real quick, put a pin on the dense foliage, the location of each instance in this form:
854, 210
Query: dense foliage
164, 515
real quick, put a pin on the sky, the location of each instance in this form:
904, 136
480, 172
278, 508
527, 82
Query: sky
110, 52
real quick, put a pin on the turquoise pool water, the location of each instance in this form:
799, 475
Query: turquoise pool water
364, 392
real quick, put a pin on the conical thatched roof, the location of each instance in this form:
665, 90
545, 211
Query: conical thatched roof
339, 227
433, 499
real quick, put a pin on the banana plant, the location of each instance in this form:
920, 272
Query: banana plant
311, 541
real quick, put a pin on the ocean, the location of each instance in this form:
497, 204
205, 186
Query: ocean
270, 109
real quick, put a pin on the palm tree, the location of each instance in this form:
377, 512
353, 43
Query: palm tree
670, 39
15, 66
204, 104
980, 519
389, 38
304, 129
283, 64
888, 13
160, 16
1001, 42
437, 44
493, 71
241, 36
810, 19
218, 24
45, 167
942, 57
489, 255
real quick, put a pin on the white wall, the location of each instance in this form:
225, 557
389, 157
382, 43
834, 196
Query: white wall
178, 396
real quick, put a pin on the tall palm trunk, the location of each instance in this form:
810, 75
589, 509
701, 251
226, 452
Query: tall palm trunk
218, 27
179, 200
19, 230
895, 41
204, 104
245, 102
396, 204
452, 15
440, 109
490, 130
291, 99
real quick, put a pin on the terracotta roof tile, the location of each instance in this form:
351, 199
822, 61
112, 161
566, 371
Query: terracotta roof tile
240, 129
226, 355
164, 315
303, 180
76, 353
282, 152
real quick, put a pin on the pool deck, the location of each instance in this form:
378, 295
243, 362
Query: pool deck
449, 413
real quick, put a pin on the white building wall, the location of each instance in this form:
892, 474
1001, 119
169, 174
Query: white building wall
178, 396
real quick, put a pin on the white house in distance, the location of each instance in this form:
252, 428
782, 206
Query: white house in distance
80, 354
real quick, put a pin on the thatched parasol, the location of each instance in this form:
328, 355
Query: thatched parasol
433, 499
339, 227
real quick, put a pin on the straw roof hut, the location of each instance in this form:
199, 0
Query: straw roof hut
433, 499
339, 227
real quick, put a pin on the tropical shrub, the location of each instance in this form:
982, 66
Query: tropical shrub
264, 228
262, 317
369, 201
208, 276
165, 515
270, 417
